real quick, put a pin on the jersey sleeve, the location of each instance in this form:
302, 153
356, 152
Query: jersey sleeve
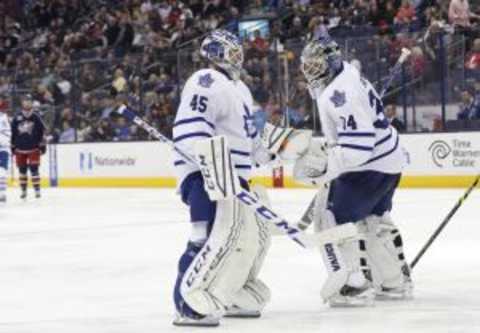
355, 132
5, 132
197, 113
14, 131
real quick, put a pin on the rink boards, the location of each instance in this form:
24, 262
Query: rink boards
435, 160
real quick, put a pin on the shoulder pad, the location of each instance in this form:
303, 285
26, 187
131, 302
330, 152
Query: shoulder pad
204, 78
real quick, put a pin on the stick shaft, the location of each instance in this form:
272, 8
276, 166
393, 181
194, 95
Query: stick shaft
393, 72
444, 223
248, 199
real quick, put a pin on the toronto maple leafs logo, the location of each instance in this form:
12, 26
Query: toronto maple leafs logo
338, 99
205, 80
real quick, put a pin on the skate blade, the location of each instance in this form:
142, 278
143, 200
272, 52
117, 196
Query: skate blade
243, 314
195, 323
352, 303
365, 299
382, 296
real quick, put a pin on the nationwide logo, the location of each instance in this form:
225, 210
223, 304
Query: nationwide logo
455, 153
88, 161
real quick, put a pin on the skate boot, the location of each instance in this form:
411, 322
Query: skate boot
350, 296
38, 195
3, 199
402, 291
23, 196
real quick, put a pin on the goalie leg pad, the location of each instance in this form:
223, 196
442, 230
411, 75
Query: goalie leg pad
254, 243
202, 285
254, 294
349, 278
252, 297
391, 272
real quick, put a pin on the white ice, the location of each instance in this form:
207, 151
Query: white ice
104, 260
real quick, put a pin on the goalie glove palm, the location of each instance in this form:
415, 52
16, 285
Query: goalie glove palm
311, 168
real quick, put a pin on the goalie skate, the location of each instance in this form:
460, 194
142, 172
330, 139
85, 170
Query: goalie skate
197, 321
350, 296
401, 292
236, 312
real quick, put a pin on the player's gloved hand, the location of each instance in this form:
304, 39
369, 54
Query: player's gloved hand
43, 149
311, 168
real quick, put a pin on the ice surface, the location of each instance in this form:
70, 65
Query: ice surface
98, 260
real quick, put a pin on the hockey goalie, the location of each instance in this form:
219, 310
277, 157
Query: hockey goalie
357, 168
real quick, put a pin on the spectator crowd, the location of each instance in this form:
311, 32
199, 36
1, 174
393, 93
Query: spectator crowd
79, 58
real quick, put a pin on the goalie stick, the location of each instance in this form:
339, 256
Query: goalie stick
444, 222
307, 217
250, 201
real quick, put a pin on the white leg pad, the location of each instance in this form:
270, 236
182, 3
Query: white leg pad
253, 296
205, 285
345, 261
385, 252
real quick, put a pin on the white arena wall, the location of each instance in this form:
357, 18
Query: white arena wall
436, 160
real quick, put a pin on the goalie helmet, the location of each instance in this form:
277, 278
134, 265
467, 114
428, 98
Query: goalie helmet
224, 49
321, 62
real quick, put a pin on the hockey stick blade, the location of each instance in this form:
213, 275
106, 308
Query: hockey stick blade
248, 199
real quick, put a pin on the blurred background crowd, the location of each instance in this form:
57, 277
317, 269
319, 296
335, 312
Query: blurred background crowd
78, 58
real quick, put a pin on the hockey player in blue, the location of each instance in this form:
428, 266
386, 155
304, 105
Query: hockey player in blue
28, 144
218, 272
5, 134
362, 160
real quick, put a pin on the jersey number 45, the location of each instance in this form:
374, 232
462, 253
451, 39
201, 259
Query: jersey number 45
199, 103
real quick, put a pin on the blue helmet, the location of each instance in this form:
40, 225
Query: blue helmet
225, 50
321, 61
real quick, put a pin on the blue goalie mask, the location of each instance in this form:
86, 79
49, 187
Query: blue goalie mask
225, 50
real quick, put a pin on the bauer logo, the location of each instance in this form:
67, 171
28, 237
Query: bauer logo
332, 257
454, 153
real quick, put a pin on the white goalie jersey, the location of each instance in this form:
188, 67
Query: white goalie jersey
5, 132
355, 126
213, 104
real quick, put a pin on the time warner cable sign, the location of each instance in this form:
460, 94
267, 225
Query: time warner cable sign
455, 152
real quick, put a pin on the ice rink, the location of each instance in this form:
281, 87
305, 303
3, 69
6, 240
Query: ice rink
104, 260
